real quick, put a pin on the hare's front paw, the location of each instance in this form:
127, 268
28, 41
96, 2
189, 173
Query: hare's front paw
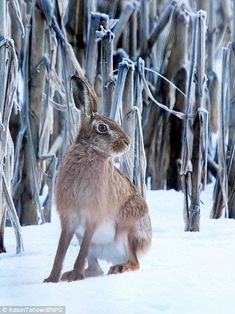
72, 275
51, 279
121, 268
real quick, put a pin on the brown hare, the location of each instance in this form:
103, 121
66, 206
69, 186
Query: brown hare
95, 200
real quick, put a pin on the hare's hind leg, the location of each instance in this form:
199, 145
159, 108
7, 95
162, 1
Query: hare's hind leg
134, 208
132, 263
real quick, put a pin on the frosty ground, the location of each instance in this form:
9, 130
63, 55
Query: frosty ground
183, 273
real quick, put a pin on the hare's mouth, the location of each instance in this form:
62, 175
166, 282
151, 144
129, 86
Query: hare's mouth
120, 147
116, 150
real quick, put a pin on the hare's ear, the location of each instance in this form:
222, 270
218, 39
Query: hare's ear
84, 97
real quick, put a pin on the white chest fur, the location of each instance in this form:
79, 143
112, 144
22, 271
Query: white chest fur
105, 232
104, 245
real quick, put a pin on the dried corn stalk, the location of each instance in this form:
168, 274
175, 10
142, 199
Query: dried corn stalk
8, 76
195, 132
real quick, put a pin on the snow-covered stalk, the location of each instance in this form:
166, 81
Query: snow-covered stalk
124, 18
195, 148
221, 186
224, 194
107, 37
231, 137
128, 121
96, 19
8, 76
2, 92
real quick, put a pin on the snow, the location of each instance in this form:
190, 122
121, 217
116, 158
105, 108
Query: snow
183, 273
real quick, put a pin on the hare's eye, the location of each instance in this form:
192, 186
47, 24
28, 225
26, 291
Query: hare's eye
102, 128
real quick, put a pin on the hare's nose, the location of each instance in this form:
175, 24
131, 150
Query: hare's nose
126, 142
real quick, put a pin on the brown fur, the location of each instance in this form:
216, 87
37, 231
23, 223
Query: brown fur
90, 192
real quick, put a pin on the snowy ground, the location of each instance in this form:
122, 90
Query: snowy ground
184, 273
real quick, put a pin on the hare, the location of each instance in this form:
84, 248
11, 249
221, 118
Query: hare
95, 200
